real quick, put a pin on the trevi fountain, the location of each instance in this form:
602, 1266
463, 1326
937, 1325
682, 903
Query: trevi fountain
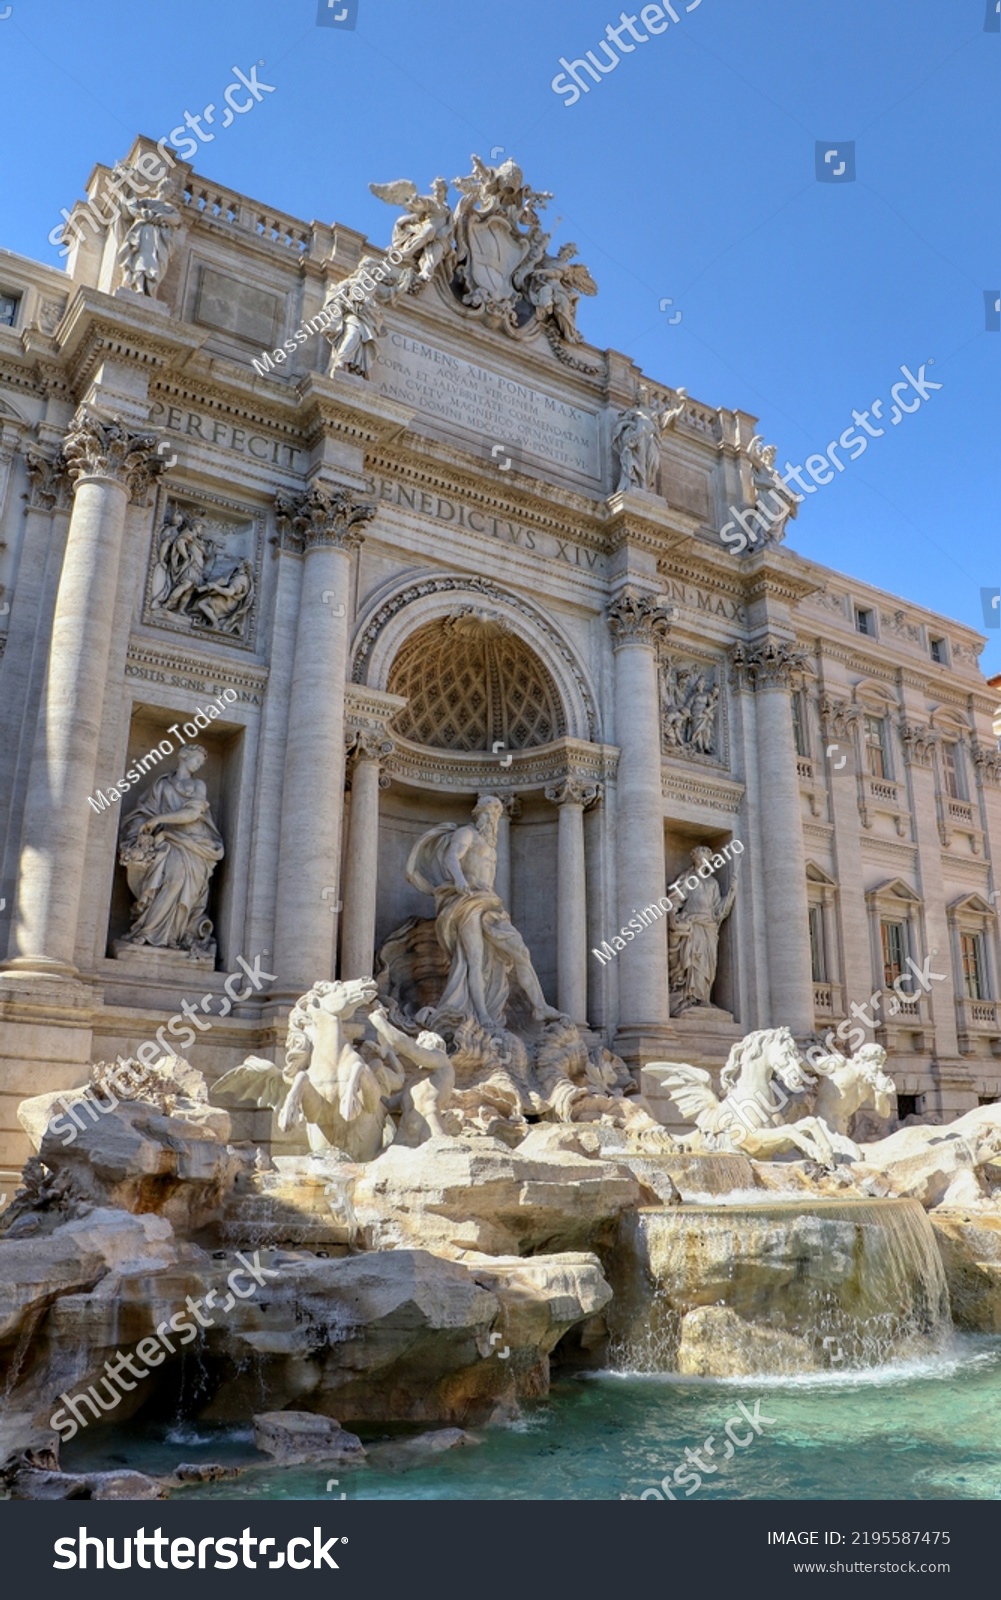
489, 1270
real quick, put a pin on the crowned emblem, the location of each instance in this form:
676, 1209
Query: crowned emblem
489, 253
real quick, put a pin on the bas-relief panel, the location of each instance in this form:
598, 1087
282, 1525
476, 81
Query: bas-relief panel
204, 568
692, 709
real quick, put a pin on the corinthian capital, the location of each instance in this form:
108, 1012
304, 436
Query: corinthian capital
321, 516
103, 447
769, 665
919, 741
367, 744
48, 488
638, 618
839, 717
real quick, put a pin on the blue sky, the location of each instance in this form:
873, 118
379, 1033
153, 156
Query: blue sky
687, 173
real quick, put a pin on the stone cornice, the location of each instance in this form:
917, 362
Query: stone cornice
701, 570
647, 521
542, 766
688, 788
370, 710
544, 510
203, 675
347, 407
99, 327
769, 575
236, 402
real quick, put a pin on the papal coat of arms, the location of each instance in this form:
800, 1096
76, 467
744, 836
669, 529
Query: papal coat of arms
488, 253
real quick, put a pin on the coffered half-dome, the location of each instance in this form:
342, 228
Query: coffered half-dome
469, 682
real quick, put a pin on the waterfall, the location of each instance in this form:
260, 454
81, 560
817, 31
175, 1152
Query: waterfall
776, 1287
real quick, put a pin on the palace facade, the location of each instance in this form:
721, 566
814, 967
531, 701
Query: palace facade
427, 545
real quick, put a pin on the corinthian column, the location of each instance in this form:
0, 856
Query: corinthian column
361, 864
636, 622
770, 671
109, 465
324, 526
572, 796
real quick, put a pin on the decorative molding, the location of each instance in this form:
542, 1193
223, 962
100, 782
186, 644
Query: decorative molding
839, 717
879, 848
175, 670
321, 515
919, 741
987, 762
565, 760
98, 447
637, 618
685, 790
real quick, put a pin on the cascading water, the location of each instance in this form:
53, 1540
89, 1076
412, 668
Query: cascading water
776, 1287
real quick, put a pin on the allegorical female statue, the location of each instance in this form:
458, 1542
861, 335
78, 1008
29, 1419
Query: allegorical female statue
693, 933
169, 847
145, 250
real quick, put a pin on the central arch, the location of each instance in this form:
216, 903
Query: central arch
554, 685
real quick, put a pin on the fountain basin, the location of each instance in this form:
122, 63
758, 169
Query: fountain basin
776, 1287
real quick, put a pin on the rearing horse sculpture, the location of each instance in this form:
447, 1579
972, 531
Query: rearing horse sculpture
326, 1082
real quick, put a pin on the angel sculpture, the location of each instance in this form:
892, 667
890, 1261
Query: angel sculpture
424, 233
555, 285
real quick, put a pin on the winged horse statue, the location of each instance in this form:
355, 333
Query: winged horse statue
326, 1082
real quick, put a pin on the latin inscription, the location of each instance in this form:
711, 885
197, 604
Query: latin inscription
212, 430
474, 399
410, 498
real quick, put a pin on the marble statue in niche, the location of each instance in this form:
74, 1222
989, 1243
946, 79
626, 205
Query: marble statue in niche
170, 847
693, 931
